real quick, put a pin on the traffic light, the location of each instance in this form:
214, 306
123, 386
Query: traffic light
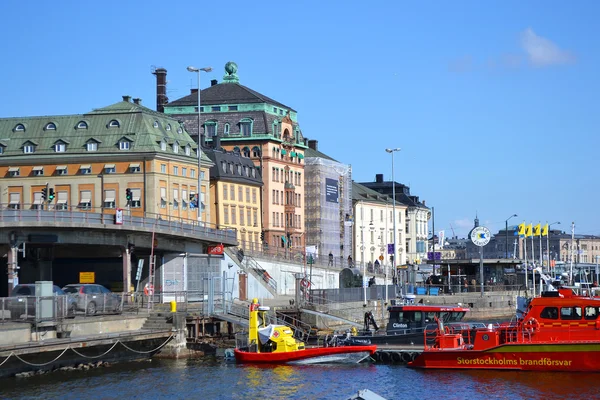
44, 194
262, 236
128, 194
51, 194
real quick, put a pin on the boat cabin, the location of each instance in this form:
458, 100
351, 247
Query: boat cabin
405, 319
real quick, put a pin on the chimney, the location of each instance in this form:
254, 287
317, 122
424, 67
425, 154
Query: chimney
192, 91
161, 89
379, 178
313, 144
137, 101
306, 141
127, 98
213, 82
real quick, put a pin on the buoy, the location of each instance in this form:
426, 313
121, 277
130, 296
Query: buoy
405, 357
385, 357
396, 357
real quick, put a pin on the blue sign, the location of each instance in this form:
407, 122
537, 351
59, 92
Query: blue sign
331, 190
434, 256
391, 248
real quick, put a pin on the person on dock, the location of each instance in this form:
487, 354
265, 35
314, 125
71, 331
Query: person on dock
465, 285
330, 262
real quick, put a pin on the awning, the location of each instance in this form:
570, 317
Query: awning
38, 200
109, 165
136, 165
62, 198
85, 166
61, 167
38, 168
86, 197
13, 169
136, 194
283, 152
292, 154
300, 155
109, 200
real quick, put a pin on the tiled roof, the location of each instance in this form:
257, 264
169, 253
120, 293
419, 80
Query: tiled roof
226, 93
141, 126
317, 154
218, 157
363, 193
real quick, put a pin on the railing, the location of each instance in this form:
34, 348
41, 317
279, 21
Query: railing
90, 216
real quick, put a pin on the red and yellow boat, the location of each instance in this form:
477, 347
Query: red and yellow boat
558, 331
275, 344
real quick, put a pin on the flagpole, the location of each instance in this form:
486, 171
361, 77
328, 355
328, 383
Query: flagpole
532, 261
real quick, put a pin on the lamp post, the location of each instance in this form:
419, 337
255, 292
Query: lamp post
198, 207
392, 151
506, 234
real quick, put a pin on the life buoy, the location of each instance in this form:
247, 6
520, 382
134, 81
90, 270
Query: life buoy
149, 289
305, 283
531, 325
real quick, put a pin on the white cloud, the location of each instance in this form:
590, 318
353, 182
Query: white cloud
542, 52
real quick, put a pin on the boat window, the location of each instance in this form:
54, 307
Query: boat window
430, 316
591, 312
570, 313
549, 313
395, 316
416, 316
444, 316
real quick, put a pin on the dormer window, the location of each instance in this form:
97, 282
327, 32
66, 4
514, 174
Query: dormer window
114, 124
175, 147
14, 171
239, 169
110, 169
179, 130
226, 130
38, 170
163, 145
246, 127
92, 146
210, 129
188, 150
28, 149
2, 149
124, 145
82, 125
50, 126
20, 128
85, 169
155, 124
168, 127
60, 147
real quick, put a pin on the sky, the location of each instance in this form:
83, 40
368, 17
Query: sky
494, 104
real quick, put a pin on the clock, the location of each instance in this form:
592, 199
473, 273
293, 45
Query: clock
480, 236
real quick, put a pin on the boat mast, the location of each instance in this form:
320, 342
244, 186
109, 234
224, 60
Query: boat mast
572, 240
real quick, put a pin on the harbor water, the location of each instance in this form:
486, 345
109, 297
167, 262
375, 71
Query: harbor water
211, 378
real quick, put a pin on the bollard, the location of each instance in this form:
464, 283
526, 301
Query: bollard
173, 306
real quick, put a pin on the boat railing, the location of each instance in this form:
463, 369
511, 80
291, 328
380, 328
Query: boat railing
301, 329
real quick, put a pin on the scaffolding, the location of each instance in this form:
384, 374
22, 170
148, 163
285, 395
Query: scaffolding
328, 208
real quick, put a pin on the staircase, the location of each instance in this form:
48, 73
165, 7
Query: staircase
158, 322
252, 267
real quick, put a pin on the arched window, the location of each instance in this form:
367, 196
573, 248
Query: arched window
155, 124
114, 124
50, 126
168, 127
246, 152
236, 150
226, 130
255, 151
82, 125
20, 128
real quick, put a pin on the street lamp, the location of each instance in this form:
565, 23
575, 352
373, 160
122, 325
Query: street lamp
198, 70
392, 151
506, 234
548, 244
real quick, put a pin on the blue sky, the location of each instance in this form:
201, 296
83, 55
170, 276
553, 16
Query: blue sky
494, 103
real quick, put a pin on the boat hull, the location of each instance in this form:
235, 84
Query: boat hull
307, 356
550, 356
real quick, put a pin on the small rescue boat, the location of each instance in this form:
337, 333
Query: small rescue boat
557, 331
275, 344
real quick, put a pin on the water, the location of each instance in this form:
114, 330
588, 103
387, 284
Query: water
214, 379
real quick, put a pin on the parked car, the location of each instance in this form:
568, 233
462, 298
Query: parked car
93, 298
22, 302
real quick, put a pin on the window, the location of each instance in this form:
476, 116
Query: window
38, 171
124, 145
13, 171
61, 201
20, 128
231, 190
240, 193
168, 127
255, 215
82, 125
133, 168
183, 171
249, 216
109, 199
192, 173
184, 199
85, 199
241, 216
210, 128
253, 196
14, 201
136, 198
239, 169
175, 147
570, 313
248, 196
28, 149
215, 108
275, 110
276, 129
114, 124
233, 108
61, 170
224, 192
175, 170
246, 152
85, 169
175, 198
1, 149
163, 197
233, 211
246, 127
155, 124
50, 126
226, 215
110, 169
163, 168
255, 151
92, 146
188, 150
591, 312
226, 130
163, 145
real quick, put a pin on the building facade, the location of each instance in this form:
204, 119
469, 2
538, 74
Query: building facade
264, 131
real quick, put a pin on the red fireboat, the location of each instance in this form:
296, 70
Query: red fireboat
558, 331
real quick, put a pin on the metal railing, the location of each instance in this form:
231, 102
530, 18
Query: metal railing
103, 216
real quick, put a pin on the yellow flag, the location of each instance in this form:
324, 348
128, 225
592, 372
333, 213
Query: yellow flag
536, 230
545, 230
522, 229
528, 230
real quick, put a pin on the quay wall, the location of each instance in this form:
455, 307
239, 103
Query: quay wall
108, 324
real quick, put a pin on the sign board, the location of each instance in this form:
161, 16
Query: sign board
381, 257
119, 216
331, 190
434, 255
480, 236
87, 277
216, 249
